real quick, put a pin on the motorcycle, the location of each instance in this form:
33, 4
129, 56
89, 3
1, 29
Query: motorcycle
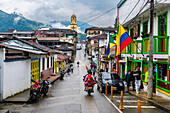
62, 75
89, 88
37, 89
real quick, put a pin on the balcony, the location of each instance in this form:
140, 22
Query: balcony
134, 48
161, 44
146, 45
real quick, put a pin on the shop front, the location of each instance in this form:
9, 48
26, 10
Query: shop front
161, 77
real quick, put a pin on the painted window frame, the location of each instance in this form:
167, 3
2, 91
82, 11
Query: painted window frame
160, 22
145, 23
147, 38
132, 33
166, 47
139, 41
157, 79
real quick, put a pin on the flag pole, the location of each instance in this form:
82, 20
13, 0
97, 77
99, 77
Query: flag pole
118, 65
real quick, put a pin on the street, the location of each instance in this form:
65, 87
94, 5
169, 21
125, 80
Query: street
68, 96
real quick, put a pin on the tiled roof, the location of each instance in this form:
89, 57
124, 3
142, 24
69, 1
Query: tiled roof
16, 57
101, 28
61, 57
55, 41
102, 36
39, 46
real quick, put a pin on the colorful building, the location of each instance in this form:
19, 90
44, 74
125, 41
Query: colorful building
137, 53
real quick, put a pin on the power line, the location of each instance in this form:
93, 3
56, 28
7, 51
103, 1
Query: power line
131, 11
99, 13
138, 13
135, 17
99, 16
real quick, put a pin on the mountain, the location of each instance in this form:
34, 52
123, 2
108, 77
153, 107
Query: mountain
18, 22
81, 25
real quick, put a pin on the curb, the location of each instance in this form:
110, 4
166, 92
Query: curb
4, 111
15, 102
153, 103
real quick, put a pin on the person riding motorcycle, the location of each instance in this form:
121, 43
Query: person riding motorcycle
89, 78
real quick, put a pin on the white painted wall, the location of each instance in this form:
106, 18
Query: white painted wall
2, 57
16, 77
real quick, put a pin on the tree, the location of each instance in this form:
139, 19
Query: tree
115, 24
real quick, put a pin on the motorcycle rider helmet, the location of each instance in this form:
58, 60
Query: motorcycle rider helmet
89, 71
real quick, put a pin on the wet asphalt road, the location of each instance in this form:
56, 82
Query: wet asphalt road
68, 96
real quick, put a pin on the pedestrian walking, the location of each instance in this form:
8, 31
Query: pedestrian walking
107, 67
78, 63
137, 76
128, 79
133, 78
95, 65
85, 55
91, 66
94, 71
71, 68
68, 71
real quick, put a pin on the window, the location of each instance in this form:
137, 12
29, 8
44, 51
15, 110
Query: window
43, 63
162, 71
162, 76
48, 62
51, 61
145, 27
162, 24
132, 33
115, 76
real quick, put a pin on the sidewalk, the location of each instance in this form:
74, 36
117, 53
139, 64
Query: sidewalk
157, 101
24, 96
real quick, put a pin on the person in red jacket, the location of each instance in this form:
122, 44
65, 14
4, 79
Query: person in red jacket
89, 78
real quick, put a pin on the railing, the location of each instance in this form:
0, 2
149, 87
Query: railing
133, 48
146, 45
163, 85
161, 44
136, 47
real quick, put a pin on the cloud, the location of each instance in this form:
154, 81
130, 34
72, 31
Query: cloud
61, 10
61, 26
17, 19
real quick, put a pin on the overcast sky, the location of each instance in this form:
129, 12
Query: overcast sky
61, 10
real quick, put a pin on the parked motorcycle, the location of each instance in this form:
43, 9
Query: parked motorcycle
39, 88
62, 75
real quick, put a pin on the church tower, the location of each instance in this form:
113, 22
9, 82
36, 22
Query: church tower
73, 25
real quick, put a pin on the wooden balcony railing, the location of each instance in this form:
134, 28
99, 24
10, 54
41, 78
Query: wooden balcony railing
146, 45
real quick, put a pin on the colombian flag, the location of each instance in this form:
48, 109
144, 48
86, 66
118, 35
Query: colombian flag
110, 44
122, 39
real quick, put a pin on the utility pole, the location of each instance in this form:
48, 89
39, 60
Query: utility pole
150, 78
98, 57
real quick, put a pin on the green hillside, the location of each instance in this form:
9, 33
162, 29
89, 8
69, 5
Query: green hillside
18, 22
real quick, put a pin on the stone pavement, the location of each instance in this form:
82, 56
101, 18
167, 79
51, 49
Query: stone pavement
157, 101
